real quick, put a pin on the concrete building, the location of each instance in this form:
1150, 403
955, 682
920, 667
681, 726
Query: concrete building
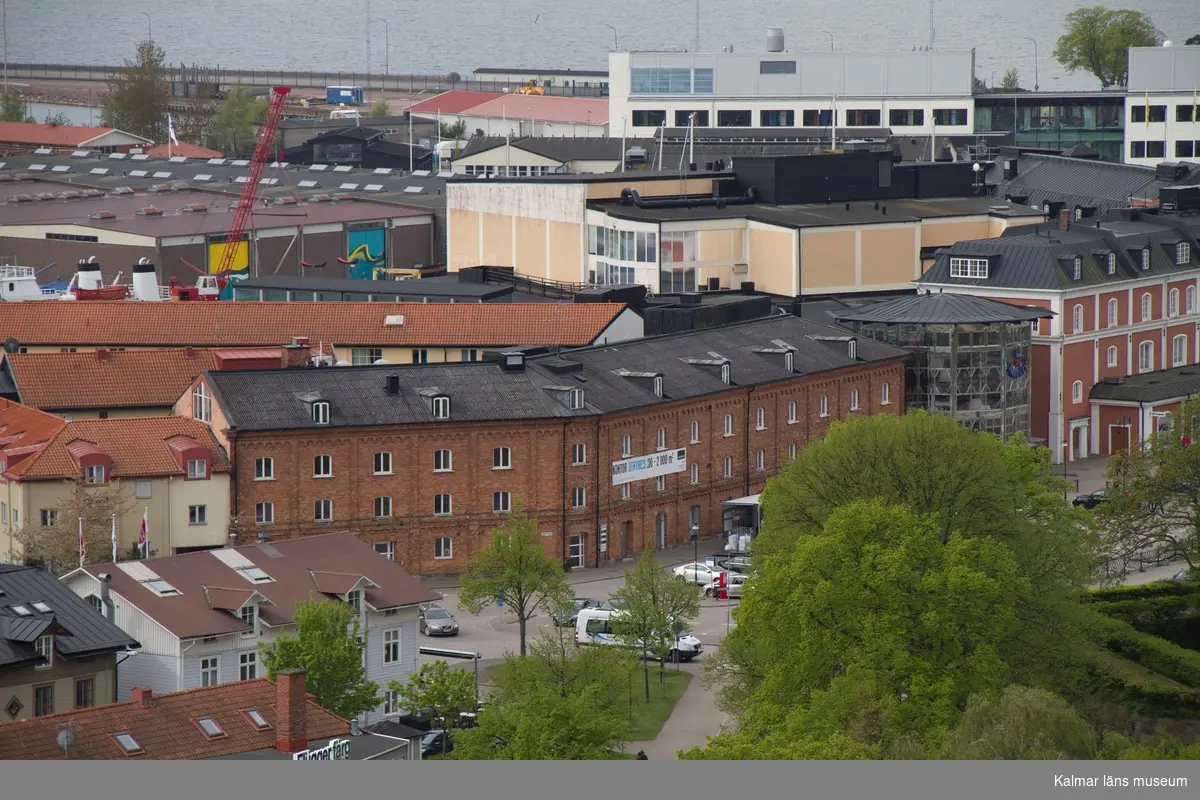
517, 115
425, 461
202, 618
166, 471
498, 156
57, 655
1162, 112
911, 93
1057, 120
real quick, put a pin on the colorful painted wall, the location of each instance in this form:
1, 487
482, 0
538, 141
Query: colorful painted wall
366, 252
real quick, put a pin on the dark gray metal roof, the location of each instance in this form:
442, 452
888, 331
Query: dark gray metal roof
482, 391
943, 309
1149, 387
1086, 183
561, 148
81, 630
435, 287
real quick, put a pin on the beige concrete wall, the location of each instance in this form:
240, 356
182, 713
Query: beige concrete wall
827, 259
999, 225
497, 241
944, 234
887, 256
213, 493
723, 245
531, 246
772, 262
512, 156
566, 252
62, 674
603, 191
462, 243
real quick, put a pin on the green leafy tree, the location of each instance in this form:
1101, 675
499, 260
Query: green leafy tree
12, 106
233, 124
1097, 41
656, 609
1011, 80
1193, 39
1154, 491
138, 95
380, 108
438, 690
1022, 724
327, 645
516, 571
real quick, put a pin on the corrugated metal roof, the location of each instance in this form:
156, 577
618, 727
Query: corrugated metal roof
1079, 182
1150, 387
543, 108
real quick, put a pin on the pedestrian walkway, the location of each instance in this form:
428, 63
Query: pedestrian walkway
694, 719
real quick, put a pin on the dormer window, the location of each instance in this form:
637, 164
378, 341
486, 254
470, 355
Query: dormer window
1112, 263
968, 267
1077, 268
852, 349
248, 614
789, 361
575, 399
320, 412
1183, 253
726, 376
197, 469
1145, 258
658, 386
441, 407
95, 475
354, 600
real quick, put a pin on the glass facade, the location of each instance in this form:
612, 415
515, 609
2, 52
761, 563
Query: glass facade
661, 80
1056, 122
979, 373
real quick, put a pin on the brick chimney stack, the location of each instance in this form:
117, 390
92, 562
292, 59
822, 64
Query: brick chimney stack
1064, 220
297, 353
291, 711
142, 696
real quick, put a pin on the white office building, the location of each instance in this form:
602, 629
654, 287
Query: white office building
911, 93
1162, 120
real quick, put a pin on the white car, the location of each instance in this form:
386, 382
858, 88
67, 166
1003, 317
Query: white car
699, 574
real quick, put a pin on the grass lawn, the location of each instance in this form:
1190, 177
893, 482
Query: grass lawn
647, 718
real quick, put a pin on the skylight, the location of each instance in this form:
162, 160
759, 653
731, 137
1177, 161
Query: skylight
420, 173
81, 153
44, 151
373, 187
139, 157
349, 186
36, 168
138, 173
177, 159
256, 719
127, 743
308, 184
318, 168
257, 575
98, 171
216, 162
163, 175
343, 168
21, 611
210, 727
118, 156
241, 162
38, 605
242, 179
162, 588
382, 171
61, 168
203, 177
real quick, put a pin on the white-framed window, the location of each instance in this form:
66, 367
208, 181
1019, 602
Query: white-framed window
658, 386
760, 460
1147, 307
1179, 350
391, 700
1145, 258
1077, 268
94, 475
44, 647
792, 450
695, 432
823, 405
443, 461
579, 497
726, 374
791, 412
441, 408
49, 517
626, 491
1183, 253
143, 490
320, 412
201, 403
501, 458
391, 646
885, 394
727, 467
443, 547
660, 439
420, 355
1112, 356
760, 419
1189, 300
626, 446
443, 505
575, 399
323, 510
469, 354
365, 356
383, 507
197, 515
1112, 312
264, 513
854, 399
1112, 263
354, 600
264, 469
728, 425
693, 473
1173, 303
247, 666
578, 454
1077, 392
323, 466
660, 483
501, 502
248, 614
210, 671
386, 549
1077, 319
382, 463
968, 267
1146, 357
197, 469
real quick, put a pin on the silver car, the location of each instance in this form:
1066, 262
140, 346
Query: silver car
437, 621
733, 586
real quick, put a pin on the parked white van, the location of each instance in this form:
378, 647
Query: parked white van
592, 626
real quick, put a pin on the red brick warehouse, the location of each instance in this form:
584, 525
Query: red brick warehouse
425, 460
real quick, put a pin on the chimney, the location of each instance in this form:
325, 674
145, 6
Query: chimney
291, 711
297, 353
101, 354
143, 696
105, 597
1064, 220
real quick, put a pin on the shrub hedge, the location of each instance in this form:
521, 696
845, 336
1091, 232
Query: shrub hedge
1152, 652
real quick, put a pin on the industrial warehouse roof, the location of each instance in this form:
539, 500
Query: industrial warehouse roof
123, 323
943, 309
1149, 387
455, 101
542, 108
561, 148
1086, 183
438, 288
298, 568
33, 602
612, 377
36, 133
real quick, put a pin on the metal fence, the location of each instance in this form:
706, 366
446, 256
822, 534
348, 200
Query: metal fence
303, 80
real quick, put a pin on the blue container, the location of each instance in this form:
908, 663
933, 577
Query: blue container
349, 95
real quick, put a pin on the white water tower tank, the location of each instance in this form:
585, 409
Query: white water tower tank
774, 40
145, 281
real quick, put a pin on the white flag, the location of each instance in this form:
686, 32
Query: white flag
171, 129
114, 538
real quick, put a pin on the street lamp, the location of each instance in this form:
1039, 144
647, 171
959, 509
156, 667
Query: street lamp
614, 30
830, 35
149, 33
1035, 60
695, 543
386, 48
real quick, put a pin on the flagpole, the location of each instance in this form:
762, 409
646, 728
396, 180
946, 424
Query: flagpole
82, 547
114, 537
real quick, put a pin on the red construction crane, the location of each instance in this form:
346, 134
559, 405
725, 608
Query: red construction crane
245, 203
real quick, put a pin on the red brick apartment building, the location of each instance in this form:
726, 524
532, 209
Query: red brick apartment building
425, 460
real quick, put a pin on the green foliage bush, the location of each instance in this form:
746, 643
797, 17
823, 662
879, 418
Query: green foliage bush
1152, 652
1144, 591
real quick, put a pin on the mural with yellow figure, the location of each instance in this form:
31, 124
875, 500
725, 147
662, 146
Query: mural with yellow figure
367, 253
239, 269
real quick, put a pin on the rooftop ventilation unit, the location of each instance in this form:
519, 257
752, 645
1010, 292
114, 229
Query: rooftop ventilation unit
149, 211
102, 215
774, 40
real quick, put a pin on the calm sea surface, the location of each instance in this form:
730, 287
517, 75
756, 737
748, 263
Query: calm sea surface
460, 35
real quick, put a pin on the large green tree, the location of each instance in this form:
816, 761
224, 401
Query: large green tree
438, 690
233, 123
328, 646
1021, 724
1097, 41
656, 608
515, 570
12, 106
138, 95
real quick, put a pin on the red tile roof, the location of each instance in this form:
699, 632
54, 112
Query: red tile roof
166, 729
545, 108
37, 133
192, 613
138, 448
24, 431
452, 102
183, 149
120, 323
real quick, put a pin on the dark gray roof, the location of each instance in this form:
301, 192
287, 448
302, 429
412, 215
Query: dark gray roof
80, 630
561, 148
433, 289
943, 309
482, 391
1041, 257
1149, 387
1082, 182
